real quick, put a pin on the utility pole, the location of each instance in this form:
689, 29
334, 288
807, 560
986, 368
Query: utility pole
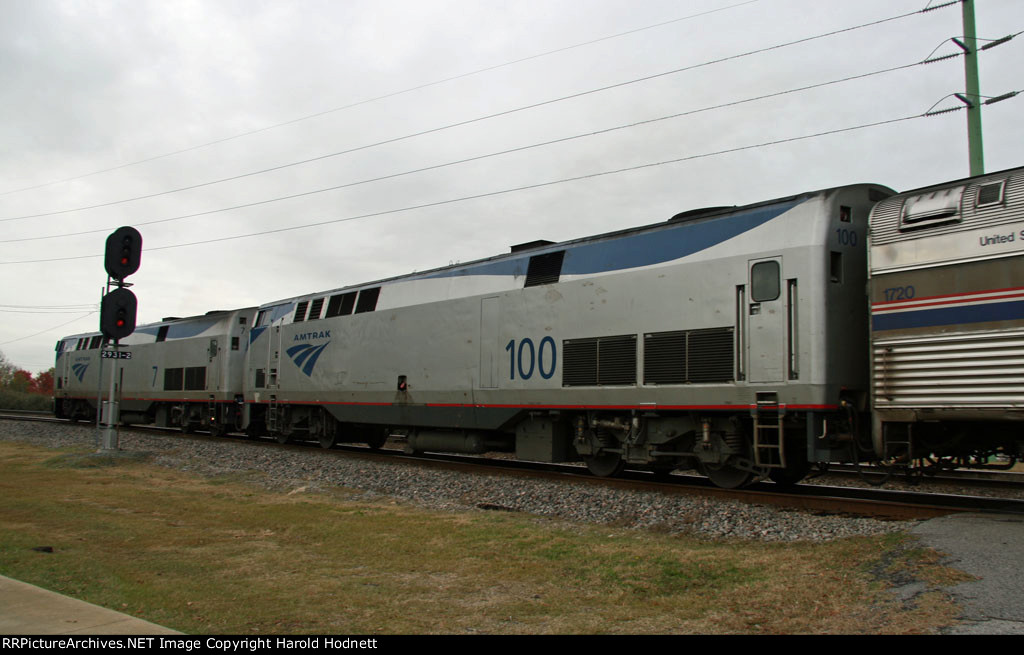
972, 98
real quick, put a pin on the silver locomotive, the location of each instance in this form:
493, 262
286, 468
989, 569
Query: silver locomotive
722, 340
183, 372
736, 341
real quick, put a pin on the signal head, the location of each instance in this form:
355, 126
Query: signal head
124, 253
117, 313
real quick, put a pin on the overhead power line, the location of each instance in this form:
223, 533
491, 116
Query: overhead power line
502, 191
40, 311
485, 156
78, 307
74, 320
486, 117
378, 98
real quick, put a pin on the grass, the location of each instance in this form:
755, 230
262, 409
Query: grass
222, 556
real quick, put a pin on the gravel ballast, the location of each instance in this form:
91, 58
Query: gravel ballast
312, 470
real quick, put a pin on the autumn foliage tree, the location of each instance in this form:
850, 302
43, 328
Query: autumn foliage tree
20, 390
43, 383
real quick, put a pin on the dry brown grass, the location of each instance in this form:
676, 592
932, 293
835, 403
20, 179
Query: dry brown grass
223, 556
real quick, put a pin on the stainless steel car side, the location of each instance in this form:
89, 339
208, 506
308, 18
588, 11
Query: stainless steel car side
947, 312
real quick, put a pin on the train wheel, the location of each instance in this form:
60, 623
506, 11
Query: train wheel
787, 477
282, 438
328, 440
727, 477
377, 439
605, 465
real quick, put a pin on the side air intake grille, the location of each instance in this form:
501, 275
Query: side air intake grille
689, 356
544, 269
314, 309
599, 361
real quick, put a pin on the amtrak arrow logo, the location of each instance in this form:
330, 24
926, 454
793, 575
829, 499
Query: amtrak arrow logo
79, 370
305, 356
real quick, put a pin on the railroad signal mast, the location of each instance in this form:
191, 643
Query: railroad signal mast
117, 316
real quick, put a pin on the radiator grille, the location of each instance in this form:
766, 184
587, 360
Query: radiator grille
967, 371
599, 361
314, 309
689, 356
195, 378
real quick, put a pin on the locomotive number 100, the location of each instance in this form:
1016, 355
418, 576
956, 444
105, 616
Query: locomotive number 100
526, 358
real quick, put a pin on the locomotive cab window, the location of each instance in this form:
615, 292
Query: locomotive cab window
764, 281
341, 305
367, 300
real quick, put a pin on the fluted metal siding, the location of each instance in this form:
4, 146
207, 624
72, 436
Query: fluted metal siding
885, 217
966, 371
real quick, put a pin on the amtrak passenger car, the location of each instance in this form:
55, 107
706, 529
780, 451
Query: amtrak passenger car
947, 320
730, 340
183, 372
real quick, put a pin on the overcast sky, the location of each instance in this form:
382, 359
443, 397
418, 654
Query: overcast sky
89, 86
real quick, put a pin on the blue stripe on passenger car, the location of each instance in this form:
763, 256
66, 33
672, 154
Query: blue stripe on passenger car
1003, 311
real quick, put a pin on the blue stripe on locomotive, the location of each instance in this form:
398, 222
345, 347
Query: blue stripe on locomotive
615, 252
183, 330
634, 250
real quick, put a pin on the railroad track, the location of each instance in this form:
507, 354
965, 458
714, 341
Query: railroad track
825, 499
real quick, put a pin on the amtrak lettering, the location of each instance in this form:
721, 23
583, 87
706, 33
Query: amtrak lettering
309, 336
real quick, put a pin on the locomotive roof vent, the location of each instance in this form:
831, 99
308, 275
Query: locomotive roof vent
531, 245
697, 213
544, 269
